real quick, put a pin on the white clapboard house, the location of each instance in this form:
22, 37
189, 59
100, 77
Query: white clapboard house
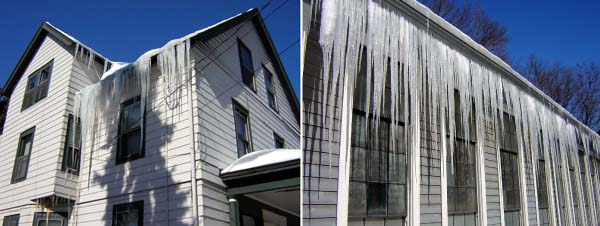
410, 122
202, 131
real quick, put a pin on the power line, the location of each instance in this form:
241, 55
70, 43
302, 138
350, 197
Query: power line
224, 51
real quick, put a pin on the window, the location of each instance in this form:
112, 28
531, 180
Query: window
37, 85
279, 141
574, 190
542, 187
270, 89
246, 64
131, 140
378, 158
242, 130
128, 214
12, 220
71, 154
461, 164
52, 219
510, 170
23, 153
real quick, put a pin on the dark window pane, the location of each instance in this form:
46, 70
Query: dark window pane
395, 199
132, 143
32, 82
279, 142
357, 205
376, 199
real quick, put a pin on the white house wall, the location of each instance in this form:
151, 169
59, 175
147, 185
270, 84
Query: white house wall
48, 117
161, 178
217, 85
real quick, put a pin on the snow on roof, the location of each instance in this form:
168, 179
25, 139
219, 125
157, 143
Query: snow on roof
263, 158
170, 43
76, 41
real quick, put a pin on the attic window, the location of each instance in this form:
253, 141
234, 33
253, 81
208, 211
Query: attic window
37, 85
246, 64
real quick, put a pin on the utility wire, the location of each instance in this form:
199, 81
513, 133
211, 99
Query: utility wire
219, 55
237, 83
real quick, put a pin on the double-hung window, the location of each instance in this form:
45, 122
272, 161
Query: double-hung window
510, 170
131, 140
12, 220
242, 129
37, 86
22, 158
72, 152
270, 86
128, 214
378, 158
461, 165
246, 65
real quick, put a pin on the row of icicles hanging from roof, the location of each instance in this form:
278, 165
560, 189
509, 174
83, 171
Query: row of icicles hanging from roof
430, 72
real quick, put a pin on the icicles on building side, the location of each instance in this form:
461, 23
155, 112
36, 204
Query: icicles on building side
430, 73
100, 102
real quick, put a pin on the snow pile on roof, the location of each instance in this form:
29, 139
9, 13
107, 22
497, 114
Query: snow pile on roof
263, 158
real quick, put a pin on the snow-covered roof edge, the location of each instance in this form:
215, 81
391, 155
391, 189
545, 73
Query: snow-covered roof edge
45, 29
263, 158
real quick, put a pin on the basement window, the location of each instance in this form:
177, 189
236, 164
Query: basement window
72, 152
242, 129
246, 65
12, 220
128, 214
131, 140
37, 86
23, 153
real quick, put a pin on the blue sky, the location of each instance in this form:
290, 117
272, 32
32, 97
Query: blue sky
566, 32
123, 30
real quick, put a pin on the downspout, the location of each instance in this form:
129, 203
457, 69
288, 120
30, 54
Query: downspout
192, 137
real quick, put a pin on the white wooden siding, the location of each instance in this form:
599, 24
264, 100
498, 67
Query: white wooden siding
218, 83
47, 116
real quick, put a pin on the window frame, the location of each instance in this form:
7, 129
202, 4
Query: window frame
510, 150
244, 70
469, 144
6, 220
277, 138
370, 149
28, 132
271, 93
120, 133
238, 108
39, 91
137, 205
72, 121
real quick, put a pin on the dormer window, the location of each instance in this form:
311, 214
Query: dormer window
37, 85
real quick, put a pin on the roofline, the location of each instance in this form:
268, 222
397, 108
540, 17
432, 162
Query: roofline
425, 17
255, 16
44, 29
